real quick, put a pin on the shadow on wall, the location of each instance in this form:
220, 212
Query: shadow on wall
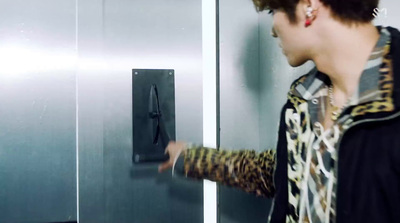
239, 206
271, 61
250, 60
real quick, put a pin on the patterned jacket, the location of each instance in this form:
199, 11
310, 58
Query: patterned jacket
368, 188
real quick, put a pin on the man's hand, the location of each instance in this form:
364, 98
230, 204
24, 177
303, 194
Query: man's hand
174, 149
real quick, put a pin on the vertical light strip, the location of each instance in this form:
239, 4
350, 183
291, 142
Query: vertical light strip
209, 100
77, 110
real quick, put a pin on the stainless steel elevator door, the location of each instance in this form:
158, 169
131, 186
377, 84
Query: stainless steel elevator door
114, 38
37, 111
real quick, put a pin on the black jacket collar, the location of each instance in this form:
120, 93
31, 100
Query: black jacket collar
395, 52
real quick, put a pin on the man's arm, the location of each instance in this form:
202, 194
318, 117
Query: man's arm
245, 169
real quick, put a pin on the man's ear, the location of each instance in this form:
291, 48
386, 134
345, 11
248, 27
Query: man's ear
315, 4
309, 11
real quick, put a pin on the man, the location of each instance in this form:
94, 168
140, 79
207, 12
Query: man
338, 152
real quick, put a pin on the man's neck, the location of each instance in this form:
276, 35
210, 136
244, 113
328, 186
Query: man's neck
345, 52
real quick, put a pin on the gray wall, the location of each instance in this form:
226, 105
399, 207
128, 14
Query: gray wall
240, 102
392, 17
37, 111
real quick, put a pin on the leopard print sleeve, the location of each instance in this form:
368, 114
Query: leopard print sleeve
245, 169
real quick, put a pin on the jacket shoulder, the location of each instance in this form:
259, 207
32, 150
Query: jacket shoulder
301, 80
395, 53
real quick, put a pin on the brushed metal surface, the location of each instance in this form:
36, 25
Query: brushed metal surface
240, 89
115, 37
37, 111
